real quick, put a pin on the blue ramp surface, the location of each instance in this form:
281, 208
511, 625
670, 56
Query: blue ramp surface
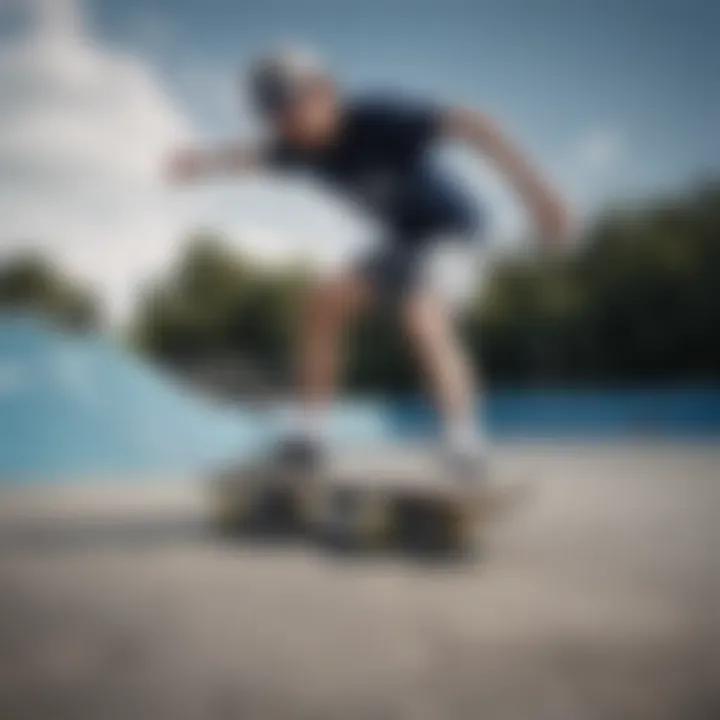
74, 407
77, 405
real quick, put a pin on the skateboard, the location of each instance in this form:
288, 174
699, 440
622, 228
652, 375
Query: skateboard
262, 497
411, 509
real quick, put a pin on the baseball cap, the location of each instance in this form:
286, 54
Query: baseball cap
277, 79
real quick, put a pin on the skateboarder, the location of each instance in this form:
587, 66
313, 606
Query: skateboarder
376, 150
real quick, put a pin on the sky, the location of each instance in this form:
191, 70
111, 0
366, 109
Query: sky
616, 99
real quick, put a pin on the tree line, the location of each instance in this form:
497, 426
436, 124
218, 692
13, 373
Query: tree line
636, 301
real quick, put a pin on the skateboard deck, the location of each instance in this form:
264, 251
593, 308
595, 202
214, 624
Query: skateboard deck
261, 497
375, 508
410, 509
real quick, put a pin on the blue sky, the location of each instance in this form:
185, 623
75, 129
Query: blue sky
617, 99
641, 76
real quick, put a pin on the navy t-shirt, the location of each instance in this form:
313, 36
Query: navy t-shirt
381, 159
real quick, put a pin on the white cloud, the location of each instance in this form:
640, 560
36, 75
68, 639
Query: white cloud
599, 150
588, 170
49, 18
84, 130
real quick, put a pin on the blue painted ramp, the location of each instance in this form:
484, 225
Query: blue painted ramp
73, 406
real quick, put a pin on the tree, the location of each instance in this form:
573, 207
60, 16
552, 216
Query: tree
215, 304
31, 283
638, 302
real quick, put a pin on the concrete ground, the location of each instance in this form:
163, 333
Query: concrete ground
598, 600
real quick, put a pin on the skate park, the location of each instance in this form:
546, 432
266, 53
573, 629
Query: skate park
196, 198
598, 599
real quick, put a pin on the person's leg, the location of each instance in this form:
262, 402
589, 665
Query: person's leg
319, 348
447, 368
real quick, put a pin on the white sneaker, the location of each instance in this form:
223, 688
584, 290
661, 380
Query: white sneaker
468, 466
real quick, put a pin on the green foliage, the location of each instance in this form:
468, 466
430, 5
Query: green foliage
638, 301
31, 283
214, 303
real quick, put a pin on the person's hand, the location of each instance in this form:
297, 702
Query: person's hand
553, 220
185, 166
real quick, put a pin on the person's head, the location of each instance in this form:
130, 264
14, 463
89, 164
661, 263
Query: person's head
296, 95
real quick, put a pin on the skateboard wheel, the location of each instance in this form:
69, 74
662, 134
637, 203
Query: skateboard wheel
232, 508
462, 537
373, 522
350, 518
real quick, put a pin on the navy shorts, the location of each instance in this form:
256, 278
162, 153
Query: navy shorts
398, 268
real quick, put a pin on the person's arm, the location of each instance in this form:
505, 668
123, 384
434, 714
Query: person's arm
193, 164
485, 136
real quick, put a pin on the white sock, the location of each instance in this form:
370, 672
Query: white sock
465, 436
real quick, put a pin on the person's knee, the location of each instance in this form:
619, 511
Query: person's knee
424, 317
433, 334
328, 306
